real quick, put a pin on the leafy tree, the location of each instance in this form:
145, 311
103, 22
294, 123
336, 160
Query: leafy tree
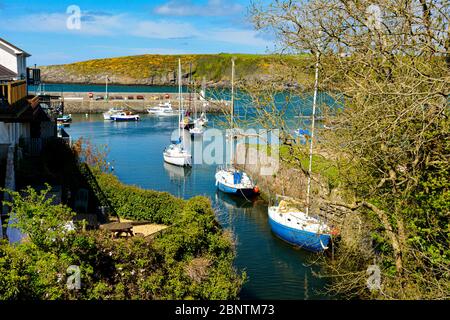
389, 62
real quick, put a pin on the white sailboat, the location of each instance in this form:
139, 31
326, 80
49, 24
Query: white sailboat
175, 153
197, 130
203, 120
229, 179
293, 225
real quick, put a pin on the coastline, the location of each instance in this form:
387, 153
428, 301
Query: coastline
80, 102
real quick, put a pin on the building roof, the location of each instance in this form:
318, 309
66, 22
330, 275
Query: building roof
26, 110
6, 74
19, 51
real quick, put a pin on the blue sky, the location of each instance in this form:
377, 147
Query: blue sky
119, 28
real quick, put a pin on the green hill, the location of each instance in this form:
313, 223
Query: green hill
160, 69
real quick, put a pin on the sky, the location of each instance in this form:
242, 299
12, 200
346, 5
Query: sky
58, 32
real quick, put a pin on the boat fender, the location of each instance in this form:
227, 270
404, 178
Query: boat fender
321, 243
335, 232
256, 189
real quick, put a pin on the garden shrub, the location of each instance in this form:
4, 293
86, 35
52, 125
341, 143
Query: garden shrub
134, 203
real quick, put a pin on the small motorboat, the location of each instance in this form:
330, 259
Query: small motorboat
233, 181
175, 154
125, 116
107, 115
197, 131
298, 228
162, 110
64, 121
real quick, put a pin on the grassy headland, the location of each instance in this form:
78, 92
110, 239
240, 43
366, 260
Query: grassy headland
161, 69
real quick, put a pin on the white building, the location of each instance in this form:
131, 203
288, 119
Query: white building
14, 59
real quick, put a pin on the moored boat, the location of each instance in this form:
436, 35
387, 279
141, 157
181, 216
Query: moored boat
230, 179
107, 115
299, 228
162, 110
175, 153
125, 116
286, 220
233, 181
67, 118
64, 120
197, 131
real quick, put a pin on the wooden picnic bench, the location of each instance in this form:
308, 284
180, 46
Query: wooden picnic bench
119, 228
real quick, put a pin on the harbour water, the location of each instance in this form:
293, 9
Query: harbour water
65, 87
275, 269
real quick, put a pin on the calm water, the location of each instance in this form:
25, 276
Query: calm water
275, 269
63, 87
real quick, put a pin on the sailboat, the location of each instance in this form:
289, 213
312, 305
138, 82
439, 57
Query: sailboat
203, 120
187, 122
175, 153
293, 225
197, 130
229, 179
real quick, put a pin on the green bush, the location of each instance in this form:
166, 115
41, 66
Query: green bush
192, 259
134, 203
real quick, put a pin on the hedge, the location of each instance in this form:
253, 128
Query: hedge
135, 203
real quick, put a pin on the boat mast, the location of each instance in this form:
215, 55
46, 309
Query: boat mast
313, 122
232, 113
106, 89
202, 95
190, 87
180, 99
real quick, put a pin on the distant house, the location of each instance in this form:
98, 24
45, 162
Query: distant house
14, 59
21, 116
23, 122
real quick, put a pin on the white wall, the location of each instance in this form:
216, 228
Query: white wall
10, 133
21, 67
8, 58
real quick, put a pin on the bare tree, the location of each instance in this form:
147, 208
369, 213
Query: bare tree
389, 62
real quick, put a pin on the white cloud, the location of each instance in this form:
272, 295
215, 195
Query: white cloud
164, 30
187, 8
128, 50
97, 25
238, 36
120, 25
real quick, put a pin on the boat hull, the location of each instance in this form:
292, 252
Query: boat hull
248, 192
177, 161
301, 238
121, 119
